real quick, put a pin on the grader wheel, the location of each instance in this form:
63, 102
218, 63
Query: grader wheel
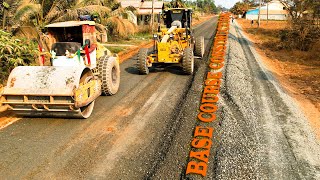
188, 61
199, 46
142, 61
109, 74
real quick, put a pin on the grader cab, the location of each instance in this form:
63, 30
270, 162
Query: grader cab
77, 74
173, 44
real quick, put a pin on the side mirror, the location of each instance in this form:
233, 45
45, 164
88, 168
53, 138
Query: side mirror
87, 42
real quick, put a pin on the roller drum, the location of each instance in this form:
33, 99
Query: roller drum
46, 91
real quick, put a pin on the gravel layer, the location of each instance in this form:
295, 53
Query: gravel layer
263, 133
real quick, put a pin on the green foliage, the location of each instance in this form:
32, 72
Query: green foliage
302, 39
304, 20
28, 12
206, 6
245, 5
5, 5
240, 8
177, 4
115, 49
252, 3
15, 52
299, 9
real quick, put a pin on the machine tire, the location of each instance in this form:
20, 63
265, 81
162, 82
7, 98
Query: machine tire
86, 111
199, 46
188, 61
142, 61
109, 74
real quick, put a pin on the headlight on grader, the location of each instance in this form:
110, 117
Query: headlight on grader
171, 36
155, 36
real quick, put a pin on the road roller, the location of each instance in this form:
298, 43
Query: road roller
79, 71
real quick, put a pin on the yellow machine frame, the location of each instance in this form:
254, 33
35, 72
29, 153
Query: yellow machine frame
170, 51
172, 45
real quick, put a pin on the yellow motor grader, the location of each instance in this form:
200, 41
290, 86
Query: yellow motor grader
78, 74
174, 44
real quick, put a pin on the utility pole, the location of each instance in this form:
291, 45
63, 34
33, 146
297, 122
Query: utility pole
4, 18
259, 14
152, 16
5, 8
267, 12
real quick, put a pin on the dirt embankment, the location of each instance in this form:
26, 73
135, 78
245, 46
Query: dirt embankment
297, 71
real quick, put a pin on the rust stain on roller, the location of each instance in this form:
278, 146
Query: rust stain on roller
12, 82
70, 80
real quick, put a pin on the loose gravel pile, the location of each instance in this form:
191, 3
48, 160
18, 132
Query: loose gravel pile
263, 134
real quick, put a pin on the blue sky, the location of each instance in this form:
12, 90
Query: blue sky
226, 3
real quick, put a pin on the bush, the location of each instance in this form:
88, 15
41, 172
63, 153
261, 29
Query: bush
15, 52
300, 37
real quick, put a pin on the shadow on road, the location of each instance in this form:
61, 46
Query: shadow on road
158, 68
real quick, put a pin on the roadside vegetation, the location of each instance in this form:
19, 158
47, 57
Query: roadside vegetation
303, 29
292, 47
201, 6
15, 52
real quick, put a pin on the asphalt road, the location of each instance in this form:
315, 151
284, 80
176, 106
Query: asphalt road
144, 131
128, 136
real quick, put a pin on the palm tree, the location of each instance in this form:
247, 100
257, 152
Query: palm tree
6, 8
80, 7
42, 12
